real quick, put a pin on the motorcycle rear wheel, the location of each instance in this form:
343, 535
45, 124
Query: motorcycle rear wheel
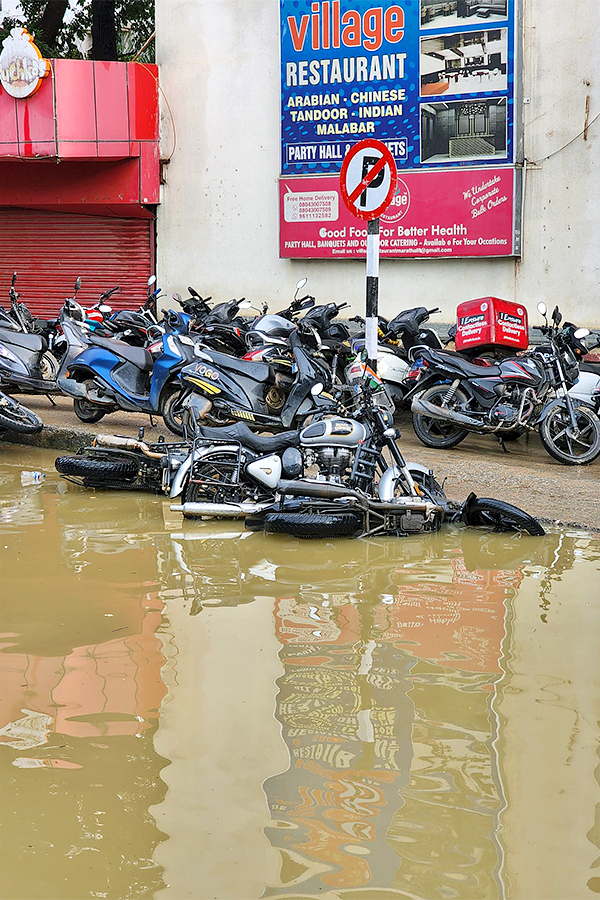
313, 525
217, 480
562, 444
86, 411
173, 412
97, 471
437, 433
16, 417
501, 516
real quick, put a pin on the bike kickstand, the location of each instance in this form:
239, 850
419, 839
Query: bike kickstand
52, 401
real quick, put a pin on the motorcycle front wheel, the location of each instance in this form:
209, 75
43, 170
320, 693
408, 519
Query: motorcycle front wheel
15, 417
572, 447
86, 411
439, 433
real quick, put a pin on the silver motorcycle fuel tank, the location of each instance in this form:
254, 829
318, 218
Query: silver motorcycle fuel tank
335, 432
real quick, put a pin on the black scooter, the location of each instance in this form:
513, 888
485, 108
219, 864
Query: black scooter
218, 388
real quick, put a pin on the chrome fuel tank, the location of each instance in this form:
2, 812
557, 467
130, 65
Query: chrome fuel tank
336, 432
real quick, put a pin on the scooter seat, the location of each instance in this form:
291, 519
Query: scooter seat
136, 355
256, 370
32, 342
240, 433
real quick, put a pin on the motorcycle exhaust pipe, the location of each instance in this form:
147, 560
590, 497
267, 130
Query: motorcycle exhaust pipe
425, 408
192, 510
120, 443
322, 490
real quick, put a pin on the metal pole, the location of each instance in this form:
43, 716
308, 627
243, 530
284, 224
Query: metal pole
371, 319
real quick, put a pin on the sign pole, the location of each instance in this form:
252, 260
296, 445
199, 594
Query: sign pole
372, 299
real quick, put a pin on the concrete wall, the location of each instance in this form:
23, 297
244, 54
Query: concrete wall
218, 222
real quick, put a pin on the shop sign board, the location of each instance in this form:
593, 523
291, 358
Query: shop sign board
458, 213
434, 80
22, 67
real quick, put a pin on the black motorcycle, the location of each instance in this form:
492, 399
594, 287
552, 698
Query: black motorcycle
518, 394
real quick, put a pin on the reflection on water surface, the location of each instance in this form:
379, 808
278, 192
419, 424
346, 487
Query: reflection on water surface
188, 710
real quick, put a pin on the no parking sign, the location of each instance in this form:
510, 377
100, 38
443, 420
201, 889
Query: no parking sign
368, 183
368, 179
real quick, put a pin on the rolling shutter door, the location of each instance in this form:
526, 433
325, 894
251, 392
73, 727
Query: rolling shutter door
49, 250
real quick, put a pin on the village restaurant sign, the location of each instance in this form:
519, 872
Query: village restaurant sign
22, 67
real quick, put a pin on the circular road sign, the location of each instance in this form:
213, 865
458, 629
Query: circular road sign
368, 179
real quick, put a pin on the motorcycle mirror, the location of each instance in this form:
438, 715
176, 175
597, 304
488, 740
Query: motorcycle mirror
317, 389
556, 316
77, 285
14, 278
581, 333
301, 283
542, 308
177, 298
245, 304
152, 280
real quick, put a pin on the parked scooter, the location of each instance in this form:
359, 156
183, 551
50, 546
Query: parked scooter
520, 393
399, 342
111, 374
26, 361
218, 388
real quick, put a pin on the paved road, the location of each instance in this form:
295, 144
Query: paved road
526, 476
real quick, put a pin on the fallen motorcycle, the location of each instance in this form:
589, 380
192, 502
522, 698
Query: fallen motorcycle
339, 476
515, 395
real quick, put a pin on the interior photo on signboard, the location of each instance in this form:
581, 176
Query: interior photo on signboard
444, 13
467, 129
467, 63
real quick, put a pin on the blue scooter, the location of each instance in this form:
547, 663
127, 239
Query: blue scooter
111, 375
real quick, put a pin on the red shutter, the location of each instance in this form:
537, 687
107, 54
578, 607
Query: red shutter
49, 250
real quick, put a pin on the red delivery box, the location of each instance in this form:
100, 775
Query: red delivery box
490, 320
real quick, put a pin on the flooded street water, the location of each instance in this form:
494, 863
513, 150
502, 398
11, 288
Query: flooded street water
188, 710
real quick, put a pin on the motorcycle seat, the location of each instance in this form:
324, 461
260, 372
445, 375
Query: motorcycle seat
256, 370
464, 365
32, 342
136, 355
240, 433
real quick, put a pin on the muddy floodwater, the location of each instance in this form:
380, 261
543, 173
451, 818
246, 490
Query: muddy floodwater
188, 710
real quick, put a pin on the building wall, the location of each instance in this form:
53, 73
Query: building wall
218, 222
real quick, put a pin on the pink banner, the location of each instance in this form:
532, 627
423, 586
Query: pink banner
433, 214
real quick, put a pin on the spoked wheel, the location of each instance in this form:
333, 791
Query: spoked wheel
16, 417
439, 433
498, 515
571, 446
86, 411
217, 479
